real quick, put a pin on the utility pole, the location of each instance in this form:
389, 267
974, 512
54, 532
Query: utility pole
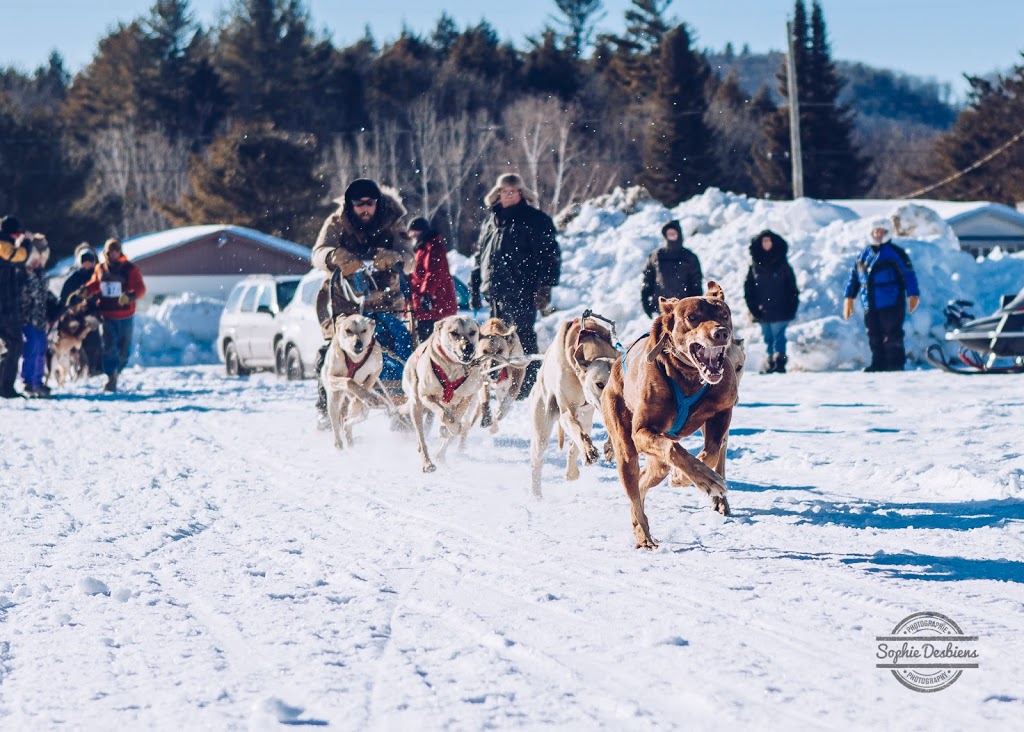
795, 155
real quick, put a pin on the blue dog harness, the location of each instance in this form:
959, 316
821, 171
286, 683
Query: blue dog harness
683, 403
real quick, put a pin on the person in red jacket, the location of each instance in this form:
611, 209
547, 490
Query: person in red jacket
119, 285
433, 290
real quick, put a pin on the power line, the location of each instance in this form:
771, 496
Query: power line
973, 166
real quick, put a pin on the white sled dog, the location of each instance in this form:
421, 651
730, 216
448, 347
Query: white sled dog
442, 378
350, 372
65, 340
573, 375
498, 344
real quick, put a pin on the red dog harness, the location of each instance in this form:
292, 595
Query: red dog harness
446, 384
353, 367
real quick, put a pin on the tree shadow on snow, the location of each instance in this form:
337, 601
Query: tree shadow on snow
943, 569
961, 516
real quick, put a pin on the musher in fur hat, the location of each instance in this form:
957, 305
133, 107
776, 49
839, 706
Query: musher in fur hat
364, 244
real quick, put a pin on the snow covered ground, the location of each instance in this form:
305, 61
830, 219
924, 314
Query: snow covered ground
190, 554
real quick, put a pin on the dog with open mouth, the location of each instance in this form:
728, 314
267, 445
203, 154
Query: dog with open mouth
671, 383
499, 343
350, 373
442, 379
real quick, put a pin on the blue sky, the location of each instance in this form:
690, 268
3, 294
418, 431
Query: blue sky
931, 38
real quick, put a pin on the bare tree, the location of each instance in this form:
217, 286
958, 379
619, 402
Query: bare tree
138, 169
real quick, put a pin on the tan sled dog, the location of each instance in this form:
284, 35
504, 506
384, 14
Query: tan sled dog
442, 378
498, 344
572, 378
350, 372
670, 384
66, 345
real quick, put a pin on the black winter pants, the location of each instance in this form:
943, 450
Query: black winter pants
10, 334
885, 334
523, 315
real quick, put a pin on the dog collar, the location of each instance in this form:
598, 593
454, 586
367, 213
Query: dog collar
353, 367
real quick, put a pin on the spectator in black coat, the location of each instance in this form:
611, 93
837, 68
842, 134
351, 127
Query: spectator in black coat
517, 262
92, 346
13, 254
671, 271
772, 295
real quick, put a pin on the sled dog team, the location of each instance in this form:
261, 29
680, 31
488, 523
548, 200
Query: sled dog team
679, 378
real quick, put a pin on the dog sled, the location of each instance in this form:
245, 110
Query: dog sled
990, 345
395, 328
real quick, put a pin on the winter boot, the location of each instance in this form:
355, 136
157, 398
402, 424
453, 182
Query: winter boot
779, 360
769, 365
111, 384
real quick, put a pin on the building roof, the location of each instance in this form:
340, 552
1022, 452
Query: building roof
952, 211
146, 245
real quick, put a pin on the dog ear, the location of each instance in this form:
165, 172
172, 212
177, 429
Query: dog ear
666, 304
577, 356
714, 291
437, 326
738, 342
510, 335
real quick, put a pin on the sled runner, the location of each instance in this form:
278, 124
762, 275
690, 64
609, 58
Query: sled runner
989, 345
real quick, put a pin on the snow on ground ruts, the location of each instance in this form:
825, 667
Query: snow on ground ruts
191, 554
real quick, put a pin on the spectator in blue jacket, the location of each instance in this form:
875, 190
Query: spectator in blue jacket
884, 278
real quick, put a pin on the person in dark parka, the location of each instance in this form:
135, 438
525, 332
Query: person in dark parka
518, 261
13, 254
772, 295
92, 345
671, 271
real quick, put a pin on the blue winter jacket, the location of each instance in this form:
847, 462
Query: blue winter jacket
883, 276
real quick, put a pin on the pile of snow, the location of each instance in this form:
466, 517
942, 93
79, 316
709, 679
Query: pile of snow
180, 331
604, 249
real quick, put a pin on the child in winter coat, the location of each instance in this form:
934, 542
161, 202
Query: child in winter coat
433, 290
772, 295
38, 307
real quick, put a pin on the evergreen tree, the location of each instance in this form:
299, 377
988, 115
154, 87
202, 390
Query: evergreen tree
42, 180
832, 165
259, 177
105, 93
678, 155
634, 54
732, 116
580, 17
271, 63
995, 108
550, 69
445, 34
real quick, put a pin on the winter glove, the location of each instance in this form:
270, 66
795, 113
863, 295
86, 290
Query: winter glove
426, 303
847, 308
385, 259
912, 302
123, 299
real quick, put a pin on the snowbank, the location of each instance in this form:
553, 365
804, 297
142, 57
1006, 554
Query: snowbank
607, 240
180, 331
604, 248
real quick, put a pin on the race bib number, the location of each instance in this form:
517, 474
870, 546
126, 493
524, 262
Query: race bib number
110, 289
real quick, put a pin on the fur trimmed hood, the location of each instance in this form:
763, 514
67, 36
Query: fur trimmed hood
510, 179
390, 211
778, 252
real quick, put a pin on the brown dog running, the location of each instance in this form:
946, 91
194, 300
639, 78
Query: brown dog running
677, 380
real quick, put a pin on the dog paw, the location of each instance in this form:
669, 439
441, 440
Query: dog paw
590, 455
572, 473
428, 467
678, 479
645, 541
710, 482
721, 505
